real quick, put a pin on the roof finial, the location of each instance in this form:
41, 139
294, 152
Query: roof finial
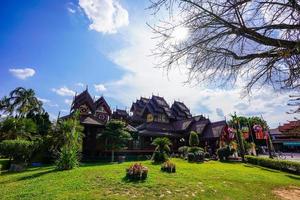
87, 88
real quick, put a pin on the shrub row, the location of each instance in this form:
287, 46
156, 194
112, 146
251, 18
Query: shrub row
283, 165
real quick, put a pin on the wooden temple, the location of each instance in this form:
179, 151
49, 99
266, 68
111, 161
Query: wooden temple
148, 118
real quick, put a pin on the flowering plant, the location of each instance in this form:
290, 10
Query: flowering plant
137, 172
168, 167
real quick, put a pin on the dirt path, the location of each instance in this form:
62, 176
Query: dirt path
291, 193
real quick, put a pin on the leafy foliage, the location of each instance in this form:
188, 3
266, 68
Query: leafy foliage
17, 128
137, 172
162, 150
68, 158
116, 135
168, 166
193, 139
21, 102
283, 165
18, 150
224, 153
71, 132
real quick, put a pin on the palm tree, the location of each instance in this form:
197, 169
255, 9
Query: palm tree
21, 101
162, 149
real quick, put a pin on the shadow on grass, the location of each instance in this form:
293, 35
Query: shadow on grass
125, 179
95, 164
293, 177
36, 175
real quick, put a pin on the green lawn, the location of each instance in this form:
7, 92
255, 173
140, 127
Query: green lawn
211, 180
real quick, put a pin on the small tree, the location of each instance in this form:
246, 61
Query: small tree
194, 139
116, 136
162, 149
71, 130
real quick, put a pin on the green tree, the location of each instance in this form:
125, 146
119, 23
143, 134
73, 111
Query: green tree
116, 136
17, 128
162, 149
193, 139
71, 140
21, 102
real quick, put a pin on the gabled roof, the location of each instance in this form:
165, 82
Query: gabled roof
180, 111
214, 130
101, 102
139, 104
83, 98
120, 113
158, 105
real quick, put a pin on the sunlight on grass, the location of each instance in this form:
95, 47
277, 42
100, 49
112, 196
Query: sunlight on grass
211, 180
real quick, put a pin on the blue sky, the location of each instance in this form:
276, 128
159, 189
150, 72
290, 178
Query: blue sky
58, 47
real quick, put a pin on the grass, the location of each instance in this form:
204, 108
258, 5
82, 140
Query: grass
211, 180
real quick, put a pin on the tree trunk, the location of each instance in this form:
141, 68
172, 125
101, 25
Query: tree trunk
241, 145
112, 155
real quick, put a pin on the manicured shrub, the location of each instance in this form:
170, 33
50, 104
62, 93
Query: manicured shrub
224, 153
162, 150
159, 157
137, 172
183, 150
19, 151
67, 159
191, 157
195, 149
168, 167
199, 156
283, 165
193, 139
206, 155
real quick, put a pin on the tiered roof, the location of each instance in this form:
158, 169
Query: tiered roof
83, 98
158, 105
180, 111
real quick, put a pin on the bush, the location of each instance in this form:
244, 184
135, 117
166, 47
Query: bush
4, 164
19, 151
183, 150
283, 165
224, 153
137, 172
168, 167
196, 157
195, 149
199, 156
191, 157
68, 159
193, 139
207, 155
159, 157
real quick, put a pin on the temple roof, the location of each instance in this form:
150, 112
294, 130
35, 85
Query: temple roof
158, 105
214, 129
180, 111
83, 98
102, 102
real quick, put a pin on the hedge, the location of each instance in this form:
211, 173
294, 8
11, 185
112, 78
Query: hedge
283, 165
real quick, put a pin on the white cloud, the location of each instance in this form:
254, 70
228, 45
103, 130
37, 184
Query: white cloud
106, 16
43, 100
80, 84
22, 73
100, 87
141, 78
64, 91
71, 10
68, 101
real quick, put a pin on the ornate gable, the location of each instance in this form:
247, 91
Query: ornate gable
84, 103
